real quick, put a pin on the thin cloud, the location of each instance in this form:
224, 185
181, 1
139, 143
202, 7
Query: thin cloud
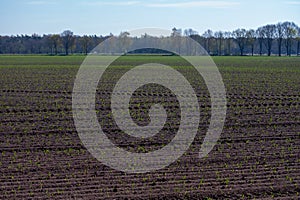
120, 3
41, 2
293, 2
188, 4
191, 4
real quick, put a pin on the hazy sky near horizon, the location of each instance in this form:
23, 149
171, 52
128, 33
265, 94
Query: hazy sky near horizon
113, 16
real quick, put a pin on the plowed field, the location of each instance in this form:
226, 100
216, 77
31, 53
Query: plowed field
257, 156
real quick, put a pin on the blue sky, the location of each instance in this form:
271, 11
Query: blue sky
113, 16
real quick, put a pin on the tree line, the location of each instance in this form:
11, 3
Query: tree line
279, 39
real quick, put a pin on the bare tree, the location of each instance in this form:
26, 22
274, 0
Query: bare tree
260, 36
290, 31
68, 40
240, 36
269, 34
286, 36
251, 38
279, 33
85, 43
227, 36
200, 39
298, 41
208, 35
125, 41
189, 32
55, 41
176, 34
219, 38
192, 34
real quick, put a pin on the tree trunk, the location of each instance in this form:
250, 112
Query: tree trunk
290, 47
269, 46
279, 46
260, 48
241, 49
55, 49
67, 50
298, 47
220, 47
229, 50
208, 49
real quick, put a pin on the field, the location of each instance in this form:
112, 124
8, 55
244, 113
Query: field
257, 156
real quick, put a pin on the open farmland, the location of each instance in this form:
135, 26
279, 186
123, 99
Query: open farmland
257, 155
